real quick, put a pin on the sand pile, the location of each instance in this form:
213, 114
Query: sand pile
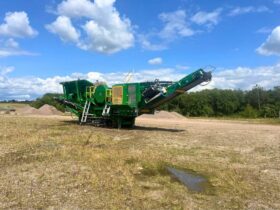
49, 110
28, 110
163, 115
44, 110
178, 116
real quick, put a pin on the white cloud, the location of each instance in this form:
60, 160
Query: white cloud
104, 30
245, 10
182, 67
86, 8
32, 87
11, 48
272, 45
207, 18
64, 29
155, 61
11, 43
11, 52
146, 44
264, 30
276, 2
76, 8
239, 78
6, 70
16, 24
246, 78
175, 25
106, 39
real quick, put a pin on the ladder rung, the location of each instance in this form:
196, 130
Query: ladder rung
85, 112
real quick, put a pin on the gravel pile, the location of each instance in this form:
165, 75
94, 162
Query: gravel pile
44, 110
163, 115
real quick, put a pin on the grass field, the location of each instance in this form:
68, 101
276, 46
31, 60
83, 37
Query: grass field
271, 121
52, 163
11, 106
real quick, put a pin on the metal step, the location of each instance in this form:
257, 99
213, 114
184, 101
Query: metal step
106, 110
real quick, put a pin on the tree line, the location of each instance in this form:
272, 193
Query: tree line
256, 103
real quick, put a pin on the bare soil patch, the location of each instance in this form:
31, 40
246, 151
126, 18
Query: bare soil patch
52, 162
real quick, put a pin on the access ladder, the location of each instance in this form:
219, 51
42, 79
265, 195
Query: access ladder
106, 110
85, 112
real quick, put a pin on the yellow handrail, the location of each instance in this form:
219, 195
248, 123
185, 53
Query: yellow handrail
90, 91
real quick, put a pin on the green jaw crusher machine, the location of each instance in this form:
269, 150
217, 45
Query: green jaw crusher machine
119, 105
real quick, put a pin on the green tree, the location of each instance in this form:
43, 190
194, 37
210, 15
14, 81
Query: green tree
257, 97
249, 112
257, 102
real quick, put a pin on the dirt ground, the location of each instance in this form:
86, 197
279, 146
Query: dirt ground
53, 163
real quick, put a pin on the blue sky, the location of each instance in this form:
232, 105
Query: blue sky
45, 42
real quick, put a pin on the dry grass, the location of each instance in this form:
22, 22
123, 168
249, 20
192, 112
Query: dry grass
55, 164
12, 105
272, 121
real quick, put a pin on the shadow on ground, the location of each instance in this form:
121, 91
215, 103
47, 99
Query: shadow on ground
143, 128
139, 128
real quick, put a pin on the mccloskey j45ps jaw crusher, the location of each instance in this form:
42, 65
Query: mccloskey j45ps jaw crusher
118, 106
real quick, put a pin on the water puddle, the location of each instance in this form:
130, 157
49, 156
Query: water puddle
194, 182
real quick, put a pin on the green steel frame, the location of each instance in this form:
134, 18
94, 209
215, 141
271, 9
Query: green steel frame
120, 105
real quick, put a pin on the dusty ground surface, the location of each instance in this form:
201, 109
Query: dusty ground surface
53, 163
25, 109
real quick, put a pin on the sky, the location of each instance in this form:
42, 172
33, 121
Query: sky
43, 43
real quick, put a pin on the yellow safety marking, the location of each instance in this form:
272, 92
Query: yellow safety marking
117, 95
